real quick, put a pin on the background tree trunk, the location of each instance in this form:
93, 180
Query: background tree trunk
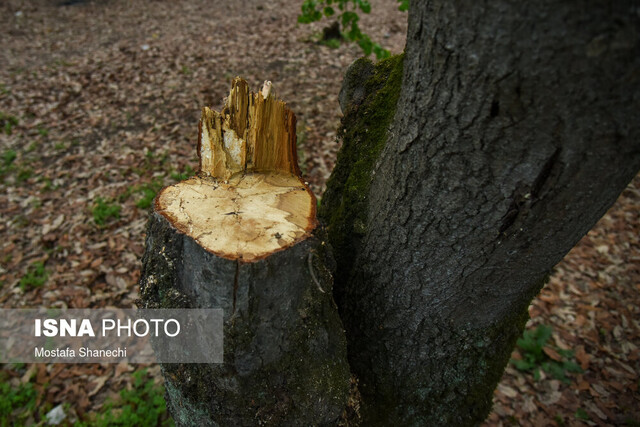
516, 128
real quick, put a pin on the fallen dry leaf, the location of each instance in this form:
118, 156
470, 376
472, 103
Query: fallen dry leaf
98, 116
552, 353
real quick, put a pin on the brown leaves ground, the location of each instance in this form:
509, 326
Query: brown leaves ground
107, 96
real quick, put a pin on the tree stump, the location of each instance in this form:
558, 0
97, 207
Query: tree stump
242, 236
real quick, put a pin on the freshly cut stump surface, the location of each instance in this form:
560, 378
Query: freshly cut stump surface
247, 217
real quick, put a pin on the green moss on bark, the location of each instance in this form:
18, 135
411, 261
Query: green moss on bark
480, 366
371, 93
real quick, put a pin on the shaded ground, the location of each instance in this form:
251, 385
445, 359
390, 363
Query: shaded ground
100, 103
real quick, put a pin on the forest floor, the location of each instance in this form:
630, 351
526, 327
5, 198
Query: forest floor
99, 105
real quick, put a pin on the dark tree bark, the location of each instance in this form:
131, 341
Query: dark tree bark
284, 347
516, 128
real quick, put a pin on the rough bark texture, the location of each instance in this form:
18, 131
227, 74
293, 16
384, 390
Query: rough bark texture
515, 130
284, 346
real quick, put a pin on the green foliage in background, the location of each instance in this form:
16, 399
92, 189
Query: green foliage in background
6, 163
36, 276
7, 122
16, 403
534, 358
8, 157
148, 192
181, 176
346, 13
104, 210
582, 415
142, 405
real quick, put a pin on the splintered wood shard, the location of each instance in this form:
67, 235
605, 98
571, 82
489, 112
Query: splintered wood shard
252, 132
249, 199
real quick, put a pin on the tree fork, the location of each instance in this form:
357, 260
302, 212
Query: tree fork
242, 236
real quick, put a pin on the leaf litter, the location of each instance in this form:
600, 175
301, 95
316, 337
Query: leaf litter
100, 101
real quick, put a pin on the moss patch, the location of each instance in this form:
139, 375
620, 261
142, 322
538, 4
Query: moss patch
372, 93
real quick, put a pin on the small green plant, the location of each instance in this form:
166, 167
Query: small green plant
177, 176
143, 405
532, 348
581, 414
104, 210
36, 276
347, 15
24, 173
7, 122
42, 131
36, 203
332, 43
33, 146
21, 221
6, 164
151, 162
17, 404
8, 157
47, 184
147, 198
148, 191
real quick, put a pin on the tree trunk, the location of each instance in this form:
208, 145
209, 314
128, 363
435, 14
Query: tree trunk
515, 129
242, 236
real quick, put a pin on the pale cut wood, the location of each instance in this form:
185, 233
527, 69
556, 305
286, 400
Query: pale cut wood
253, 132
245, 218
248, 200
